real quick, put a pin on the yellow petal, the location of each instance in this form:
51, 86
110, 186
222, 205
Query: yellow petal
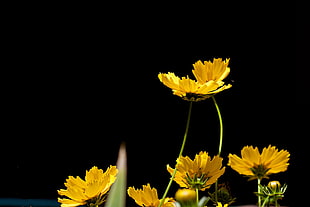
94, 189
170, 80
250, 155
136, 195
150, 195
207, 71
279, 163
69, 203
208, 87
220, 68
188, 85
214, 165
93, 174
239, 165
201, 161
214, 177
179, 177
112, 170
73, 182
76, 194
146, 196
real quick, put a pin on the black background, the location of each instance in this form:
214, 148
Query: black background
79, 80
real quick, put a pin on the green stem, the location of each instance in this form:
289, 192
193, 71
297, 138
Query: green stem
221, 139
197, 196
265, 201
180, 154
221, 125
259, 191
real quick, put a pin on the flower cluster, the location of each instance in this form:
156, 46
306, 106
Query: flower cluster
194, 176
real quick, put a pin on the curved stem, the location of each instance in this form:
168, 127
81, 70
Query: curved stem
180, 154
221, 140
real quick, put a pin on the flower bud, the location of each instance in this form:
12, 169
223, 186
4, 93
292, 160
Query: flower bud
274, 185
185, 195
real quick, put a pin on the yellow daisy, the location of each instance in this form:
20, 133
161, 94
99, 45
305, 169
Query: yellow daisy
199, 173
148, 197
256, 165
208, 81
92, 190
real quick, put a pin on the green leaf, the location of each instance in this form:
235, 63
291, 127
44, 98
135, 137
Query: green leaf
117, 195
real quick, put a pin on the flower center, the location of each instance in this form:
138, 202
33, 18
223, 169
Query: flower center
197, 182
195, 97
96, 201
259, 172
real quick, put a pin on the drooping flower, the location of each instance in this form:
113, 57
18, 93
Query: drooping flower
199, 173
148, 197
258, 166
92, 190
209, 80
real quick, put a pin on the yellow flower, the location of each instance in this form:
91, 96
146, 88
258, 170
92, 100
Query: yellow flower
208, 81
199, 173
256, 165
92, 190
220, 205
148, 197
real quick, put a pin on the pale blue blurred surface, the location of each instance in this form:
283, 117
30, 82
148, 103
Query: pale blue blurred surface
28, 202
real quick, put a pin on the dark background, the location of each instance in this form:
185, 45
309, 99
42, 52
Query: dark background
79, 80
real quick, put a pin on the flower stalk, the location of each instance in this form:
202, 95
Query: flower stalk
259, 192
180, 153
221, 126
220, 140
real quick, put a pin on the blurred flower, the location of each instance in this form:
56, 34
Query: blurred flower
91, 191
147, 196
220, 205
209, 80
256, 165
222, 194
199, 173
